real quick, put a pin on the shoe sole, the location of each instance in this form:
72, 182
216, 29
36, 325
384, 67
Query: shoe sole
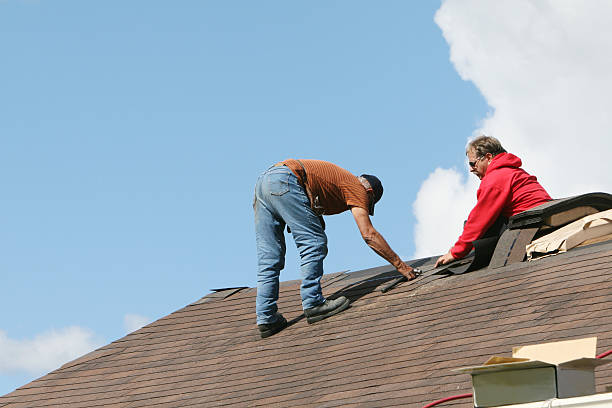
317, 318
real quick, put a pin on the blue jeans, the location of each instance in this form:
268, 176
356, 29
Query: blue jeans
280, 200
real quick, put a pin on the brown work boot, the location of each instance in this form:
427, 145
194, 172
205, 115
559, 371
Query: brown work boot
326, 309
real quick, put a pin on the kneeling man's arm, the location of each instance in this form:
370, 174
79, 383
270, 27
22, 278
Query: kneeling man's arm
378, 243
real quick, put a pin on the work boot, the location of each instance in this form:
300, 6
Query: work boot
268, 329
326, 309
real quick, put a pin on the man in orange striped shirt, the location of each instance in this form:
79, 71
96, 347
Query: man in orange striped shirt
296, 193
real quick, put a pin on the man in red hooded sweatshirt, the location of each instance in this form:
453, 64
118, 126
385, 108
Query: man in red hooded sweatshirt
505, 190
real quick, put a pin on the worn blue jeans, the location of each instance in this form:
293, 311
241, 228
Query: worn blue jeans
280, 200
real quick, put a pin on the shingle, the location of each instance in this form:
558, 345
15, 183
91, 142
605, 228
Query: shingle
392, 349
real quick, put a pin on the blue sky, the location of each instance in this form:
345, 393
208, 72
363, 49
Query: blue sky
132, 134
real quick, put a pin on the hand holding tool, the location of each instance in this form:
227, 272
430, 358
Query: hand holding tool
399, 280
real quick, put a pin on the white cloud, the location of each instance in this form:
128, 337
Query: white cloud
46, 351
545, 67
444, 196
133, 322
51, 349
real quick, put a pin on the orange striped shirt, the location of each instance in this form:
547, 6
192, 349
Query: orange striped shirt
333, 188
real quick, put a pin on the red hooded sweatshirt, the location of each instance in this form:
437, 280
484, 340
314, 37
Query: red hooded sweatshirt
505, 190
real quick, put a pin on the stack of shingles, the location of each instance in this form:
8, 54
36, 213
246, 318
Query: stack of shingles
393, 349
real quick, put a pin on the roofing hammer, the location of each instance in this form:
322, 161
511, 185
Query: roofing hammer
431, 270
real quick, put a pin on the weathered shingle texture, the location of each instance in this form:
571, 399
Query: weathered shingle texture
393, 349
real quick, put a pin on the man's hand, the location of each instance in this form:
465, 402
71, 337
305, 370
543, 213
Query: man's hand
407, 271
444, 259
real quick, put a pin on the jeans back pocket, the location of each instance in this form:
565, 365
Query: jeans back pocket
278, 183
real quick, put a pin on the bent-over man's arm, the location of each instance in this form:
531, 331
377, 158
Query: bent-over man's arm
378, 243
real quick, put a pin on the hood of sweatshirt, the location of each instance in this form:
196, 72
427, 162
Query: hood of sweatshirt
504, 160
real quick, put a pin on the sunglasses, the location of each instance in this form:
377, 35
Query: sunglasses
473, 163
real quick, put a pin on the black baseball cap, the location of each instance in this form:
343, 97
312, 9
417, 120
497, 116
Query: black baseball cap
377, 190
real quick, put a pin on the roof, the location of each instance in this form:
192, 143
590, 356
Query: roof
393, 349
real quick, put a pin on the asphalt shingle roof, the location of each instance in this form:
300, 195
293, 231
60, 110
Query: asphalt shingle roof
392, 349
